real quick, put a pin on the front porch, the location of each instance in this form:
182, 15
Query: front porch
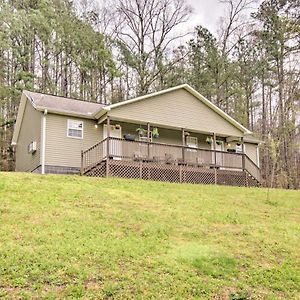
166, 162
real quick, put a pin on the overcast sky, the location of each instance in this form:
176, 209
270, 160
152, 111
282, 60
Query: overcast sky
205, 12
208, 13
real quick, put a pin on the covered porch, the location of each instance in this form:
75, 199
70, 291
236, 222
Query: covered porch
150, 151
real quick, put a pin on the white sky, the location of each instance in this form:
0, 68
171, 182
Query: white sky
208, 13
205, 13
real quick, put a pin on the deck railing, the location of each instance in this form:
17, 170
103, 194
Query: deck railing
165, 153
92, 156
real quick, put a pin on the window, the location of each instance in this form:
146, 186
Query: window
192, 142
75, 129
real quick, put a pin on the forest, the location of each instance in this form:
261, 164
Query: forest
112, 51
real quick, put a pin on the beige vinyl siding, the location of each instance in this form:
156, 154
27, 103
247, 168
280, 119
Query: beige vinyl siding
30, 131
176, 109
166, 136
65, 151
251, 151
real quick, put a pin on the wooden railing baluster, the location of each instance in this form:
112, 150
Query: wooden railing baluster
158, 152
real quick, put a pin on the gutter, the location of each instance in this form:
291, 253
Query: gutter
64, 112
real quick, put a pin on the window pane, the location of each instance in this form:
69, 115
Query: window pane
75, 124
192, 141
75, 128
75, 133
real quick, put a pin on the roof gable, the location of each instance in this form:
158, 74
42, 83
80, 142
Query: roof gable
182, 100
185, 87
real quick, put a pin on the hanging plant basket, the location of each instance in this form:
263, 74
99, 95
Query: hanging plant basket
219, 142
141, 131
209, 140
155, 133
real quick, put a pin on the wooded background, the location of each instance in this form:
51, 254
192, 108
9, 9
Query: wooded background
109, 53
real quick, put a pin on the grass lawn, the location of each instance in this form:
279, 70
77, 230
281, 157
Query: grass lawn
77, 237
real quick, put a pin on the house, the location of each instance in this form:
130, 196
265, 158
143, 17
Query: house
174, 134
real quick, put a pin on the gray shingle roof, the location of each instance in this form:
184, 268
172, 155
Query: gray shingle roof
63, 105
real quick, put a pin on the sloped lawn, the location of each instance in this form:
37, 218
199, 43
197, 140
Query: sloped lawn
78, 237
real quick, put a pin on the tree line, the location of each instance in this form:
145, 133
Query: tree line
111, 53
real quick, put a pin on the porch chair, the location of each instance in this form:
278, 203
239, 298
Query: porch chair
138, 156
200, 162
169, 159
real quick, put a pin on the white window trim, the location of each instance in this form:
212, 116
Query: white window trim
191, 145
74, 137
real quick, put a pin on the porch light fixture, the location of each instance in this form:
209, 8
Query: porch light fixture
96, 125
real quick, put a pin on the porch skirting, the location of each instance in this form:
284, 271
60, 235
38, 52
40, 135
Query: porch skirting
50, 169
170, 173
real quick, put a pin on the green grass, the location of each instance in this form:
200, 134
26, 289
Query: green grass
76, 237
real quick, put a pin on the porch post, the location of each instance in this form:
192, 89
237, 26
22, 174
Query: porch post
148, 140
183, 143
243, 153
81, 166
107, 145
215, 147
215, 156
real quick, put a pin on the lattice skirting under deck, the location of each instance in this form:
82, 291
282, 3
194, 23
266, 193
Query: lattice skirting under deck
171, 173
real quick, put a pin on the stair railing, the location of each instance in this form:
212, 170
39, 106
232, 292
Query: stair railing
252, 168
92, 156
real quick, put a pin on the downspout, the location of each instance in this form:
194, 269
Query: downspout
43, 141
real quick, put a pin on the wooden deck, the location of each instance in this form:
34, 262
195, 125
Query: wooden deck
154, 161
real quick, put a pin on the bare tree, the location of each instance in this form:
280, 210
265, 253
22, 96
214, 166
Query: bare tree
146, 28
234, 21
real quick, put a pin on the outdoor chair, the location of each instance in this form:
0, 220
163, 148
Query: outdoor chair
138, 156
169, 159
181, 162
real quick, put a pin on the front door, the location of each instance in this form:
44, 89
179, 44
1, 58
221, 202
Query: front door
115, 146
219, 155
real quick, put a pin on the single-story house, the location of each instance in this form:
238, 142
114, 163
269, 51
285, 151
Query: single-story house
174, 134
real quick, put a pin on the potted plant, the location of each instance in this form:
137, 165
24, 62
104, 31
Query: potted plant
155, 133
209, 140
219, 142
141, 131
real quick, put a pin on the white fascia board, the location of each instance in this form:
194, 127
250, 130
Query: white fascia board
19, 119
217, 110
64, 112
147, 96
101, 112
